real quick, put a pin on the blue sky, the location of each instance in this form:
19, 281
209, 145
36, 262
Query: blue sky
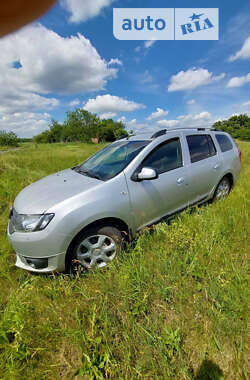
70, 58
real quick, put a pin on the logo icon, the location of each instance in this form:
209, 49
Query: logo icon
196, 17
197, 24
166, 23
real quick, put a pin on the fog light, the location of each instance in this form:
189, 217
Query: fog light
37, 263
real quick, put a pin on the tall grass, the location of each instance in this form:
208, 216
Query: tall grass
174, 306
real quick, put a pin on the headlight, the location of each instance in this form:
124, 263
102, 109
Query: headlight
30, 223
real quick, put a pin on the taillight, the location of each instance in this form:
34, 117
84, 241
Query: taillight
239, 151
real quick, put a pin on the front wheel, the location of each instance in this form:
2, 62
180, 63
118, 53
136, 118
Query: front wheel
95, 248
223, 189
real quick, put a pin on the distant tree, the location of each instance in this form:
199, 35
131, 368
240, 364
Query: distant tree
238, 126
8, 139
25, 139
55, 133
42, 138
81, 125
110, 131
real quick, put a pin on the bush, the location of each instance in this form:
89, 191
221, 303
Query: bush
237, 126
8, 139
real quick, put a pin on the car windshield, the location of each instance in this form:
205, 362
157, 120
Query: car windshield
111, 160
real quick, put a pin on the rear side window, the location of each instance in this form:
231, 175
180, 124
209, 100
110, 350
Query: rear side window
167, 156
224, 142
200, 147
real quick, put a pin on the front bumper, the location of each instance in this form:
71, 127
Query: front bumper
51, 264
41, 251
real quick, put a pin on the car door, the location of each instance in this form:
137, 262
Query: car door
204, 166
153, 199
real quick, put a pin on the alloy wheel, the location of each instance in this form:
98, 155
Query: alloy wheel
96, 251
223, 189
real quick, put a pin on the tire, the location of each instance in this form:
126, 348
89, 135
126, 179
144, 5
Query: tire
223, 189
95, 248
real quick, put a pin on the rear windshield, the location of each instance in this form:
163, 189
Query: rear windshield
111, 160
224, 142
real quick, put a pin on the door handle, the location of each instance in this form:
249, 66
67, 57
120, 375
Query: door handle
180, 181
216, 166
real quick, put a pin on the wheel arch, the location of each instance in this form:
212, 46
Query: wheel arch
228, 175
111, 221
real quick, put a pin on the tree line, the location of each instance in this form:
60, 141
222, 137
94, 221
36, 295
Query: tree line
81, 125
8, 139
238, 126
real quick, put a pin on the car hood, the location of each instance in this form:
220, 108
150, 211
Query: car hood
49, 191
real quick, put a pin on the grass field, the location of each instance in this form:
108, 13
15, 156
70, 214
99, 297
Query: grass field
174, 306
6, 148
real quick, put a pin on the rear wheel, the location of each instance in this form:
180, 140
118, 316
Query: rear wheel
95, 248
223, 189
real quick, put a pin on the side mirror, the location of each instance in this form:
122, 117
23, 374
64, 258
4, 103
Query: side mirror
147, 174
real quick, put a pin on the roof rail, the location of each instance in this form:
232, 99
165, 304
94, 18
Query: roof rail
159, 133
164, 131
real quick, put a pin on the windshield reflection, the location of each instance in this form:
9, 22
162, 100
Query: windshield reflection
111, 160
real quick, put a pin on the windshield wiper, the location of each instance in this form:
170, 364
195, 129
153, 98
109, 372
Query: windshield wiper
89, 173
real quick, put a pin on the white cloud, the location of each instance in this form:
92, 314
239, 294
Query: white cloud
115, 61
243, 53
246, 104
191, 101
157, 114
143, 49
149, 44
51, 63
192, 78
203, 116
74, 103
13, 100
82, 10
203, 119
168, 123
25, 124
122, 119
146, 78
35, 62
218, 77
239, 81
108, 115
108, 103
137, 127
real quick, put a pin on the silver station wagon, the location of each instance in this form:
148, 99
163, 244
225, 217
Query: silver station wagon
79, 217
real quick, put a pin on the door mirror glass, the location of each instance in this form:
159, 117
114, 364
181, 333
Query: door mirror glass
147, 174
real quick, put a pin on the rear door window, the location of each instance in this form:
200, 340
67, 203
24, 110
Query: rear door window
224, 143
200, 147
